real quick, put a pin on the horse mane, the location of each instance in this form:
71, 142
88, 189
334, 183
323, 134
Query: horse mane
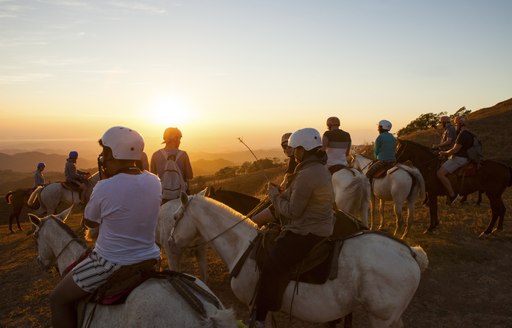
66, 228
417, 145
225, 208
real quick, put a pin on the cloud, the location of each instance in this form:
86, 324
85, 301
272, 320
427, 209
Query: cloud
23, 78
137, 5
11, 9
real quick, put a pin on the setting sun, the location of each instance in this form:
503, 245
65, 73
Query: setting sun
169, 111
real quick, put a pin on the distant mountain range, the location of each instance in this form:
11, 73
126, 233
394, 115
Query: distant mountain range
202, 163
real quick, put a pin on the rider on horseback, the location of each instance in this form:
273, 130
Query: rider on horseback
336, 143
305, 207
449, 135
76, 177
126, 206
457, 157
383, 149
38, 175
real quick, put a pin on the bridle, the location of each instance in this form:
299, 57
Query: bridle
182, 214
54, 262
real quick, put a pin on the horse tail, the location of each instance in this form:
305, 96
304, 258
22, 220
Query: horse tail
420, 257
8, 197
34, 195
418, 183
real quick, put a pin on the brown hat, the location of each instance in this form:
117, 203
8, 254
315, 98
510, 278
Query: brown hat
284, 138
171, 133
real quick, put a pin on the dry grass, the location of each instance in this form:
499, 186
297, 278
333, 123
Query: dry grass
467, 284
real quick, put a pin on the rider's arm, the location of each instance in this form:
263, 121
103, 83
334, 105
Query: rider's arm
451, 151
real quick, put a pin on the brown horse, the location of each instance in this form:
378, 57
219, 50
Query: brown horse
492, 178
18, 198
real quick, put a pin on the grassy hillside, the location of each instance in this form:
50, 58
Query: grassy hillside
492, 126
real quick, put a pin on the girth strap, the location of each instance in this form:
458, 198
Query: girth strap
185, 285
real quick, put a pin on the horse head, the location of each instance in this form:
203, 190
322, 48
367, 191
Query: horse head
184, 231
407, 150
45, 234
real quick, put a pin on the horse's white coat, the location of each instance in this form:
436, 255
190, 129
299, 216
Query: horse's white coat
155, 303
352, 193
394, 187
375, 272
163, 234
51, 195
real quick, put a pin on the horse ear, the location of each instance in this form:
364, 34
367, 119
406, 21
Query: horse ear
204, 192
34, 220
184, 198
64, 214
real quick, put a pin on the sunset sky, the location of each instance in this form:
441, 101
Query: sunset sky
219, 70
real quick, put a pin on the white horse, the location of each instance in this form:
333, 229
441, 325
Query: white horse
375, 272
352, 192
155, 303
400, 185
51, 195
163, 234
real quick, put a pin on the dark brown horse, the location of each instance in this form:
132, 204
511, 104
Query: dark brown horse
18, 199
492, 178
241, 203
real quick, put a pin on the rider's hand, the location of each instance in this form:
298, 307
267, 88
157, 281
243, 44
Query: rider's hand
273, 189
434, 146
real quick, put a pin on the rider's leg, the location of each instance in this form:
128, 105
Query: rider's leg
62, 302
442, 176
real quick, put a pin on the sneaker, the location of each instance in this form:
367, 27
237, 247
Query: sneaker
454, 199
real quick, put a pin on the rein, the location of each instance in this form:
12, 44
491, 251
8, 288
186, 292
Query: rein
207, 241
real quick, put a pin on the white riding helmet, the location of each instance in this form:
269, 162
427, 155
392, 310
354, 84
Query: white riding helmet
124, 142
308, 138
385, 125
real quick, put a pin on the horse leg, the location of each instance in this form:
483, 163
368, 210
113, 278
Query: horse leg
501, 216
479, 201
409, 220
494, 202
381, 214
432, 207
399, 223
201, 257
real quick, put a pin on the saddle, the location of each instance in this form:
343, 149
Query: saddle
385, 169
70, 186
468, 170
123, 281
335, 168
320, 264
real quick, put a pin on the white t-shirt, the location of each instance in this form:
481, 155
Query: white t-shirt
126, 206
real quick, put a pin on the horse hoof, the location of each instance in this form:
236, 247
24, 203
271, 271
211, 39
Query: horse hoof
484, 235
496, 231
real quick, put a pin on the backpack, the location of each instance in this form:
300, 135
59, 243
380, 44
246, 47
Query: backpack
173, 182
474, 152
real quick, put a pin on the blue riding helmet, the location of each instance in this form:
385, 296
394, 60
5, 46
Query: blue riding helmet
73, 154
40, 165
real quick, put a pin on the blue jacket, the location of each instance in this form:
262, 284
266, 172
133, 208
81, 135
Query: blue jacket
384, 148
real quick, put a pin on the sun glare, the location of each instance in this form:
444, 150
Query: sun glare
169, 111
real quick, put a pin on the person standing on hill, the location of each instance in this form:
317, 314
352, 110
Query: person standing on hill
383, 149
457, 157
448, 137
336, 143
76, 177
38, 175
172, 139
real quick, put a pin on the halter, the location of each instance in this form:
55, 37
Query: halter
74, 239
182, 214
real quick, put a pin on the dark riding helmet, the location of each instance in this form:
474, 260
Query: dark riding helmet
41, 165
73, 154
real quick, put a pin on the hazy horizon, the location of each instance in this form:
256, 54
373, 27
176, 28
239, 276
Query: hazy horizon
225, 69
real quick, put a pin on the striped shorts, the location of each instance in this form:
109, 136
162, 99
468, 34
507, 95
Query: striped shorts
93, 272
